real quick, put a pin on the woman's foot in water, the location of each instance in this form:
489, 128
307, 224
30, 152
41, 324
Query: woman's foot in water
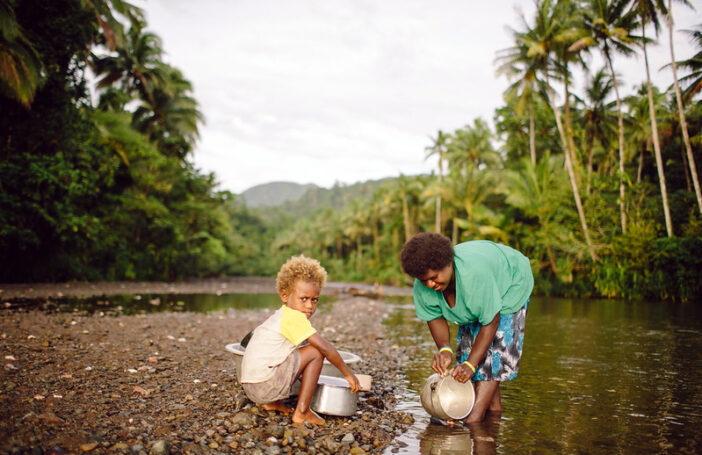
277, 406
310, 416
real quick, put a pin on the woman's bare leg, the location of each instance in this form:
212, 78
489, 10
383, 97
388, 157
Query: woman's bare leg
484, 395
496, 403
311, 361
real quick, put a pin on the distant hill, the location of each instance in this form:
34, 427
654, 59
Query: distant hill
335, 197
274, 194
299, 200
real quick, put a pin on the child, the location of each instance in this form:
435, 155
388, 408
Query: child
272, 360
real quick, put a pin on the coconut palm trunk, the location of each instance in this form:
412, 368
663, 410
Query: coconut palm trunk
532, 139
569, 127
656, 142
571, 170
620, 124
681, 111
437, 216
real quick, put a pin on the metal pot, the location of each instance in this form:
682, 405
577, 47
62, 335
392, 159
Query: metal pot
333, 396
446, 398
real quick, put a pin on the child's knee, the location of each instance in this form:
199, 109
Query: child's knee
317, 354
311, 354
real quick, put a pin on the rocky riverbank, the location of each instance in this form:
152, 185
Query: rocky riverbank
163, 383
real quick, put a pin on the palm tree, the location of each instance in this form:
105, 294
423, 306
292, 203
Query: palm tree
611, 26
20, 64
598, 115
112, 29
516, 65
471, 147
171, 116
469, 190
678, 98
136, 66
647, 11
640, 131
438, 148
540, 41
537, 191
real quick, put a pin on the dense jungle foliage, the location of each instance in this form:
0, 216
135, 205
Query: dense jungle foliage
599, 188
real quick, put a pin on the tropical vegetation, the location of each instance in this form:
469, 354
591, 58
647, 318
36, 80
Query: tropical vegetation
598, 187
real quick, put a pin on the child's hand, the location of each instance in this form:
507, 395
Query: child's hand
353, 382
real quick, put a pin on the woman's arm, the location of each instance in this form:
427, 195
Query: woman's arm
440, 333
482, 342
330, 352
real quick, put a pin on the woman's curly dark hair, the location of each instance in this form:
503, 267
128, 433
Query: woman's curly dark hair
424, 251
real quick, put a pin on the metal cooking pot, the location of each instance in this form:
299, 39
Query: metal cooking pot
333, 396
446, 398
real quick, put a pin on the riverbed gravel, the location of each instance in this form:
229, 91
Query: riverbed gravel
160, 383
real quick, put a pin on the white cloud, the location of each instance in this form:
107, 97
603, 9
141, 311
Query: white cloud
320, 92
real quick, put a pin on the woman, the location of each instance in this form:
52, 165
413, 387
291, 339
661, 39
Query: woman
484, 288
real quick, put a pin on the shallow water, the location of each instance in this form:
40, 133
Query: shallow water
595, 377
153, 303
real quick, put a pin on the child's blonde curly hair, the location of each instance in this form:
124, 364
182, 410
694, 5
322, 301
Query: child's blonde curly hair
300, 268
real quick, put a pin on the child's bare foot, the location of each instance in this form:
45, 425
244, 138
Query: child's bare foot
277, 406
310, 416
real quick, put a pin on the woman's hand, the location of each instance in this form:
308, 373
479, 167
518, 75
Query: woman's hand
353, 382
462, 373
442, 360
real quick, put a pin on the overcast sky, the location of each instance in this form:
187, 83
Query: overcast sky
319, 91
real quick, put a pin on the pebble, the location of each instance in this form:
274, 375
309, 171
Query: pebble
169, 405
160, 447
348, 438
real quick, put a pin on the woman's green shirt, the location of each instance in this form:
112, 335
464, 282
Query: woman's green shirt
490, 278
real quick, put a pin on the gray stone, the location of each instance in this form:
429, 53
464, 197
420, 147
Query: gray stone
348, 438
160, 448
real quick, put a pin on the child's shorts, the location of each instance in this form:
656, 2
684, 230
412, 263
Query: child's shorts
279, 385
501, 361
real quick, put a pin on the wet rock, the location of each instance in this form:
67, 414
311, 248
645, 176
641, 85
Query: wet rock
243, 418
87, 447
160, 447
348, 438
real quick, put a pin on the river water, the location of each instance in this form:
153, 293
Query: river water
596, 377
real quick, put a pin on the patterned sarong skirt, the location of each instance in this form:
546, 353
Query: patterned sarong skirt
501, 362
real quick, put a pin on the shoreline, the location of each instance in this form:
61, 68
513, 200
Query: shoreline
221, 285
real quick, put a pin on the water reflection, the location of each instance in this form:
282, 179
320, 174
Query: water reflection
476, 439
442, 440
154, 303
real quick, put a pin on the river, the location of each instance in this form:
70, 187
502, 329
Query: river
596, 377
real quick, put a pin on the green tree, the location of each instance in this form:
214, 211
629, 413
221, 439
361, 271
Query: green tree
171, 117
540, 41
648, 11
518, 66
438, 148
611, 27
135, 66
599, 116
679, 101
538, 192
20, 65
